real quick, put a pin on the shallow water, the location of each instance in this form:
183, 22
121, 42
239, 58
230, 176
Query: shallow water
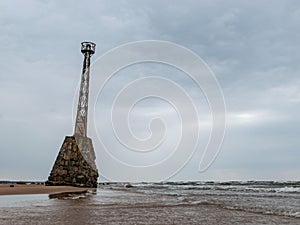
161, 203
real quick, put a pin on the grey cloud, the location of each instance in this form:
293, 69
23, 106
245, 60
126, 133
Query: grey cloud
252, 47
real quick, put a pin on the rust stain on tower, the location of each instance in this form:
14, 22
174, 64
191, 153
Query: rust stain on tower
75, 163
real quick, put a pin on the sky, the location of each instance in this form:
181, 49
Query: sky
252, 48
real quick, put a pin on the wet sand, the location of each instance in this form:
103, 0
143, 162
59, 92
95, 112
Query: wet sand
109, 206
22, 189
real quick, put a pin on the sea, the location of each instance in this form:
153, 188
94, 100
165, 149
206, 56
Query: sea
235, 202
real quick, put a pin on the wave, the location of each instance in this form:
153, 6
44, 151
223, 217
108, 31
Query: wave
240, 186
274, 211
264, 197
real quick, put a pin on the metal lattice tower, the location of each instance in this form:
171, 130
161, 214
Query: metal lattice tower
87, 49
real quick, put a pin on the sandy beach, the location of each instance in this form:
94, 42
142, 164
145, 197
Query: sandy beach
145, 204
22, 189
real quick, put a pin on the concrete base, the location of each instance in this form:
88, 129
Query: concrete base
75, 164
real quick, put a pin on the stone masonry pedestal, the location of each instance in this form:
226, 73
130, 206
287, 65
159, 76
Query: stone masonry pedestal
75, 164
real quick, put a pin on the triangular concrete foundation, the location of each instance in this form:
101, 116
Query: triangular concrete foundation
75, 164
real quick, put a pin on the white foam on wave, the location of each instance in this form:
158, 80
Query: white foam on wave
288, 189
293, 214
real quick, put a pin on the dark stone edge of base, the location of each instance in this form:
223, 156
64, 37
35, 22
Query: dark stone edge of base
71, 193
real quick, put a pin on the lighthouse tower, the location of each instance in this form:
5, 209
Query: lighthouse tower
75, 163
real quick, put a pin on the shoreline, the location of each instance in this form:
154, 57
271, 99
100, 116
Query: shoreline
24, 189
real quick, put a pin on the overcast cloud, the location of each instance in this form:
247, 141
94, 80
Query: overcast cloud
251, 46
